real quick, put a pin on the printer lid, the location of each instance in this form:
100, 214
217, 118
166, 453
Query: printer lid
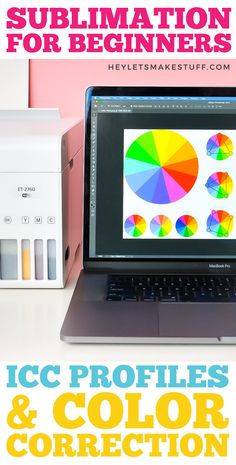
38, 140
30, 114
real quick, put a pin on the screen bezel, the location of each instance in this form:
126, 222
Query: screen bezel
164, 264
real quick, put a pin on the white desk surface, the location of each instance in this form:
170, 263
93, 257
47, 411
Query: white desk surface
30, 322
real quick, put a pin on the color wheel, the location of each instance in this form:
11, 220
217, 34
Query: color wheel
220, 223
186, 226
220, 147
135, 225
161, 166
161, 226
220, 185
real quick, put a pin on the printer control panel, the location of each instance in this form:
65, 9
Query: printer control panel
28, 220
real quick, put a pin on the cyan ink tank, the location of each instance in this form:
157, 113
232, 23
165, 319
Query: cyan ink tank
40, 197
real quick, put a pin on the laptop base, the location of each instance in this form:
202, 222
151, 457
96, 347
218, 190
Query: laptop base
91, 319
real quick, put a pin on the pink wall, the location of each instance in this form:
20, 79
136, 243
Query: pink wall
62, 83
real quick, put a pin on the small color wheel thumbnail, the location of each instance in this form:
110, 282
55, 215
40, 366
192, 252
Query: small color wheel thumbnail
135, 225
186, 226
220, 223
161, 226
220, 147
220, 185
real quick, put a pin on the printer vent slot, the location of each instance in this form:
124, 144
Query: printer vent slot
26, 258
8, 259
52, 263
38, 259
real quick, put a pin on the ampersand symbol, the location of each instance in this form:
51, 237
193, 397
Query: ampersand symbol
20, 404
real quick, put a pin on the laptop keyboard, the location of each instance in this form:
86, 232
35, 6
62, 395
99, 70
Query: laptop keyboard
153, 288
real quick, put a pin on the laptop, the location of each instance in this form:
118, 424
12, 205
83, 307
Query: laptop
159, 239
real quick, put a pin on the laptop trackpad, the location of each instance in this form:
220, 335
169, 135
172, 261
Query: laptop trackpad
112, 319
197, 320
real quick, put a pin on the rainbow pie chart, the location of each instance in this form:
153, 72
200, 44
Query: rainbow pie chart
220, 147
220, 223
161, 226
220, 185
186, 226
161, 166
135, 225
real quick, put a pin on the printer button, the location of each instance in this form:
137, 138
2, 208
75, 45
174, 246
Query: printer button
51, 219
7, 219
25, 220
38, 220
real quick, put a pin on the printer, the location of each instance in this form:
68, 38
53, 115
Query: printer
41, 179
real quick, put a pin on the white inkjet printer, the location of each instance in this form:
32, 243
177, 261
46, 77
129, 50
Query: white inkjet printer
40, 197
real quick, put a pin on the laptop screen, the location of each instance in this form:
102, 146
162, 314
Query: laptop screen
162, 175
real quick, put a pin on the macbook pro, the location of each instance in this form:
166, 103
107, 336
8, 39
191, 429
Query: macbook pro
159, 239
